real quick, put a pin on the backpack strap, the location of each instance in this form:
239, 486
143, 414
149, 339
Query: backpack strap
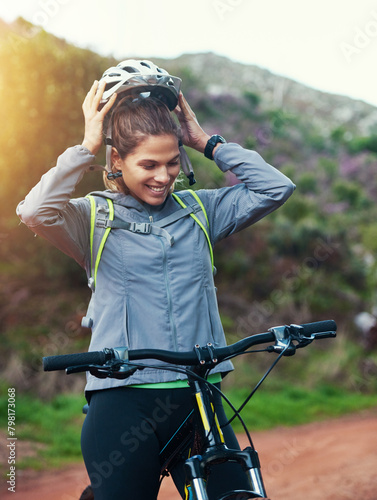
98, 235
196, 206
102, 220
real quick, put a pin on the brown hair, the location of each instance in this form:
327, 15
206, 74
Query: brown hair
133, 120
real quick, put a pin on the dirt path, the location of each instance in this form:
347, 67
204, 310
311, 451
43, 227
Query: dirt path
334, 460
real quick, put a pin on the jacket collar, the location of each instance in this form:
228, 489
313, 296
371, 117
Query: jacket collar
128, 201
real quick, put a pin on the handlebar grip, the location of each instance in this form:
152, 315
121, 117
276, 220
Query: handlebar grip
51, 363
319, 327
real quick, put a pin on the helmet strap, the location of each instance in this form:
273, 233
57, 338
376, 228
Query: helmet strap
108, 142
186, 164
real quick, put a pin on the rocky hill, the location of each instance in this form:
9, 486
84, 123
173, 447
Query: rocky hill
221, 76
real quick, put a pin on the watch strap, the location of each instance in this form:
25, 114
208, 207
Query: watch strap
210, 146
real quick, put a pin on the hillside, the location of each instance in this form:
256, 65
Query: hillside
313, 259
221, 76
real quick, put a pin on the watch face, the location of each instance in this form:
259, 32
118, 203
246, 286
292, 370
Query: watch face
216, 139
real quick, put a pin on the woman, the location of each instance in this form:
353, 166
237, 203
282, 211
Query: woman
151, 290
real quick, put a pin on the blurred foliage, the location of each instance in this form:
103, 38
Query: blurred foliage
45, 81
363, 143
253, 98
313, 259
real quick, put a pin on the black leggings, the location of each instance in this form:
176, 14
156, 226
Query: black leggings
123, 434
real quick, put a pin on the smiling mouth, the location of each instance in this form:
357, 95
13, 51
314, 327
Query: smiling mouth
157, 189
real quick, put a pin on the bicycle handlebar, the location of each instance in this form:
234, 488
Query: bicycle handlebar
302, 334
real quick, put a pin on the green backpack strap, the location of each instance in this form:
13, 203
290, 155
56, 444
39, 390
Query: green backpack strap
98, 235
197, 220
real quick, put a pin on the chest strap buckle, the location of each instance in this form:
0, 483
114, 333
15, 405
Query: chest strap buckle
140, 227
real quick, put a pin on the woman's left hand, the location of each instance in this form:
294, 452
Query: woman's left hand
193, 135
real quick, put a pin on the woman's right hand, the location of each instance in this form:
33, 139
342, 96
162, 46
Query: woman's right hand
94, 118
193, 135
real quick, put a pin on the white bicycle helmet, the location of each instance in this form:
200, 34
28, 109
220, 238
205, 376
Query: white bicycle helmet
133, 77
141, 79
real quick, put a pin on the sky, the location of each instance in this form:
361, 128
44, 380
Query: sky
330, 45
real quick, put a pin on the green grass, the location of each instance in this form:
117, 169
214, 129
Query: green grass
52, 429
295, 406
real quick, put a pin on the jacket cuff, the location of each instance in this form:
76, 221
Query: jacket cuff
228, 155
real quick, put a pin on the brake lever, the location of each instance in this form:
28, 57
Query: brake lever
113, 369
77, 369
283, 340
119, 370
324, 335
100, 371
285, 336
304, 340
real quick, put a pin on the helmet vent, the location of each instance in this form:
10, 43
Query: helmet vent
142, 63
110, 85
130, 69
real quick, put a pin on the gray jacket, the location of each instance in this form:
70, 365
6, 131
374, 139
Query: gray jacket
148, 293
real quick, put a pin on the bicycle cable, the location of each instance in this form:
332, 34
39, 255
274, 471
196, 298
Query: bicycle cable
260, 381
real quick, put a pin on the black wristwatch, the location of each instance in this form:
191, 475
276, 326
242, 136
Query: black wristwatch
212, 141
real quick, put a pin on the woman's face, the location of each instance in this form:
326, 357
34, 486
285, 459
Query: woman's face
150, 171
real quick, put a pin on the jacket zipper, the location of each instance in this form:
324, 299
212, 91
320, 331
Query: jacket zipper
167, 288
168, 295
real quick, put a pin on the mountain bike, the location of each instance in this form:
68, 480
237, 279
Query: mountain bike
202, 424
